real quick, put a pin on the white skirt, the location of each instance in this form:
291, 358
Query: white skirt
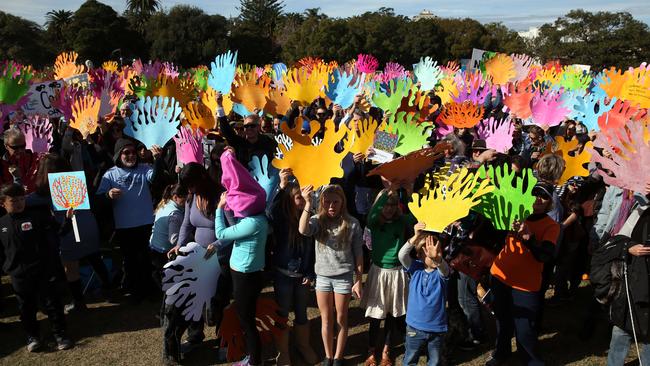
385, 292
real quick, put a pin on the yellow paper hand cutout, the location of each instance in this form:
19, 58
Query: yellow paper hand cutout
180, 89
110, 66
316, 165
447, 89
277, 102
65, 66
251, 91
637, 86
295, 133
500, 68
573, 160
85, 112
365, 135
209, 98
304, 86
450, 200
198, 115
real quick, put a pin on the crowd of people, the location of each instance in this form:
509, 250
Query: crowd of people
355, 237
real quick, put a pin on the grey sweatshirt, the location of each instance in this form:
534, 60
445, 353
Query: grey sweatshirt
331, 258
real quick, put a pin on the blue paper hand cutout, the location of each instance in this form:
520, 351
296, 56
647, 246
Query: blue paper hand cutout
428, 73
222, 72
589, 108
265, 174
153, 121
340, 91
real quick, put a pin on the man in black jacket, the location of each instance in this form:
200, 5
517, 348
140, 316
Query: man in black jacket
30, 260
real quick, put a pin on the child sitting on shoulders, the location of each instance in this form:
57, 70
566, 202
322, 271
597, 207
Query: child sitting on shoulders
426, 316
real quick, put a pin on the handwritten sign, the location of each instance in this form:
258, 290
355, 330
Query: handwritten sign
40, 100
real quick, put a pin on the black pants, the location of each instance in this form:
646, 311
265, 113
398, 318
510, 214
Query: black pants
516, 312
393, 331
158, 261
29, 290
134, 245
95, 260
246, 290
218, 303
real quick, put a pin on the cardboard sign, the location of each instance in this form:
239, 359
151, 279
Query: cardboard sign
40, 100
81, 80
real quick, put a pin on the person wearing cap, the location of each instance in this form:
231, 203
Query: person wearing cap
238, 127
252, 143
481, 154
126, 185
517, 279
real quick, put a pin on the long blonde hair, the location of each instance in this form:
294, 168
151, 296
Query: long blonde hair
327, 225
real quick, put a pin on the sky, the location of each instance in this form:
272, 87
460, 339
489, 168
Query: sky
518, 15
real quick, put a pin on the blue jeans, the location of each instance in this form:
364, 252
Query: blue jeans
291, 293
468, 301
416, 339
620, 345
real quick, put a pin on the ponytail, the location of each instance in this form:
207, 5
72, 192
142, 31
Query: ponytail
169, 192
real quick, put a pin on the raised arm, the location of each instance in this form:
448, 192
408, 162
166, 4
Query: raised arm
303, 225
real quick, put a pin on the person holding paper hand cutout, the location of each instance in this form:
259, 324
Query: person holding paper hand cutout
127, 186
339, 257
426, 315
18, 164
31, 261
517, 279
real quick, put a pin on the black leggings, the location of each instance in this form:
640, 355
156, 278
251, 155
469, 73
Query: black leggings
95, 261
378, 338
134, 245
246, 290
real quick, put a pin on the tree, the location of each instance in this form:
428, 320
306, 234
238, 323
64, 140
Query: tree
187, 36
139, 11
23, 41
96, 30
55, 22
599, 39
506, 40
261, 15
254, 31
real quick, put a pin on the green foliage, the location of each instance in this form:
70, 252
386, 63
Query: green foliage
56, 21
186, 36
23, 41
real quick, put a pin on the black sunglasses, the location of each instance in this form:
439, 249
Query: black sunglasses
250, 126
17, 147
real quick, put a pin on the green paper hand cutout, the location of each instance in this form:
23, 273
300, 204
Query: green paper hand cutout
14, 82
511, 199
412, 136
391, 99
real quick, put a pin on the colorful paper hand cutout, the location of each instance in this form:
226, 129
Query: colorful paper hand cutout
628, 149
85, 114
449, 201
189, 145
69, 190
522, 64
250, 91
315, 165
407, 168
110, 66
190, 280
461, 115
496, 133
390, 100
636, 88
548, 110
277, 102
471, 87
500, 68
412, 135
265, 174
392, 71
14, 82
341, 89
447, 89
428, 73
618, 116
209, 98
366, 64
512, 197
65, 65
222, 72
38, 134
303, 86
574, 163
589, 108
153, 121
364, 134
518, 101
198, 115
574, 78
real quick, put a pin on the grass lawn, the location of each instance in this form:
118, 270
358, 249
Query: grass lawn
112, 334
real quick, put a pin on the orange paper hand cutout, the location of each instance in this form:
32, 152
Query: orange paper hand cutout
500, 68
182, 90
198, 115
364, 132
613, 82
85, 113
65, 67
110, 66
462, 115
518, 101
251, 91
618, 116
315, 165
209, 98
277, 102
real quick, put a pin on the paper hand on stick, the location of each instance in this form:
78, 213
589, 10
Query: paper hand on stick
265, 174
364, 135
391, 99
500, 68
65, 65
38, 134
574, 163
222, 72
250, 91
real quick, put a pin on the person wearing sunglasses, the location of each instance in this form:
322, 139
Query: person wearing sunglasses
252, 143
127, 187
18, 164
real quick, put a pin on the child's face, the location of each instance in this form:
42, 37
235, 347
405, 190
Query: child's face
14, 204
180, 200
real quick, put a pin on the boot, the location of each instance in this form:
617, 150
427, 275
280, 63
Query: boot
282, 345
302, 344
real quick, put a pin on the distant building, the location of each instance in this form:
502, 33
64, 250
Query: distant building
425, 14
531, 33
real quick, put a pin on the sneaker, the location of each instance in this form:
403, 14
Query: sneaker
467, 345
338, 362
327, 362
33, 344
63, 343
187, 346
75, 307
243, 362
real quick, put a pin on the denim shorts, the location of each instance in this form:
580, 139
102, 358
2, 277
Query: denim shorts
341, 284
